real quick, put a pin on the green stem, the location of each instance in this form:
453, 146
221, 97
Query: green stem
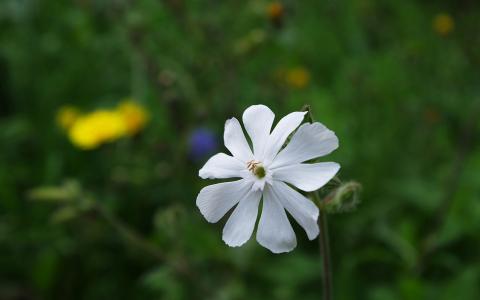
323, 239
129, 236
325, 250
324, 243
135, 239
132, 238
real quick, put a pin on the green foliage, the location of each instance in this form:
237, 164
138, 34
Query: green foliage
120, 221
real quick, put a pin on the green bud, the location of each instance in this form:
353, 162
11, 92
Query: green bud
345, 198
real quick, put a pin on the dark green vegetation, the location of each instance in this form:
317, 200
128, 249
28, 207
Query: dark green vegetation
403, 99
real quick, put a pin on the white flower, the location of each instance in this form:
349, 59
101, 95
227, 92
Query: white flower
266, 173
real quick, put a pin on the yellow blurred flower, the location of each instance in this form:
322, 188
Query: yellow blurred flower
297, 77
275, 10
66, 116
88, 131
443, 24
134, 116
91, 130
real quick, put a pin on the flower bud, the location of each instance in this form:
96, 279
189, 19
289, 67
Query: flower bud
343, 199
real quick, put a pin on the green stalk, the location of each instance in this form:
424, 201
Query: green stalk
324, 243
323, 239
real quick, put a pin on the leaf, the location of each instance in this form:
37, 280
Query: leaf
162, 280
64, 214
56, 194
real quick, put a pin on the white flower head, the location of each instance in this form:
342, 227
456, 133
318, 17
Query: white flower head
265, 173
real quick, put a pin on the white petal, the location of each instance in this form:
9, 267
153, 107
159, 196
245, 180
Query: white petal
304, 211
235, 140
214, 201
258, 120
274, 230
220, 166
307, 177
283, 129
241, 223
310, 141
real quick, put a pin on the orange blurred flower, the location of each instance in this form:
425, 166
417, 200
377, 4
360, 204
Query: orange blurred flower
432, 115
443, 24
275, 10
276, 13
298, 77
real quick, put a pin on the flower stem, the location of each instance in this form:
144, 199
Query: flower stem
323, 239
135, 240
324, 244
130, 237
325, 251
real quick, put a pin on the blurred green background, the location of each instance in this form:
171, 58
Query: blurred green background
398, 81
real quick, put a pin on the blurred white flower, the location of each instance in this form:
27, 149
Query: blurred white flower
266, 173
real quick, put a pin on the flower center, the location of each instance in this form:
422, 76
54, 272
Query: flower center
256, 168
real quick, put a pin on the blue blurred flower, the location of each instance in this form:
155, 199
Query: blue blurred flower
202, 143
